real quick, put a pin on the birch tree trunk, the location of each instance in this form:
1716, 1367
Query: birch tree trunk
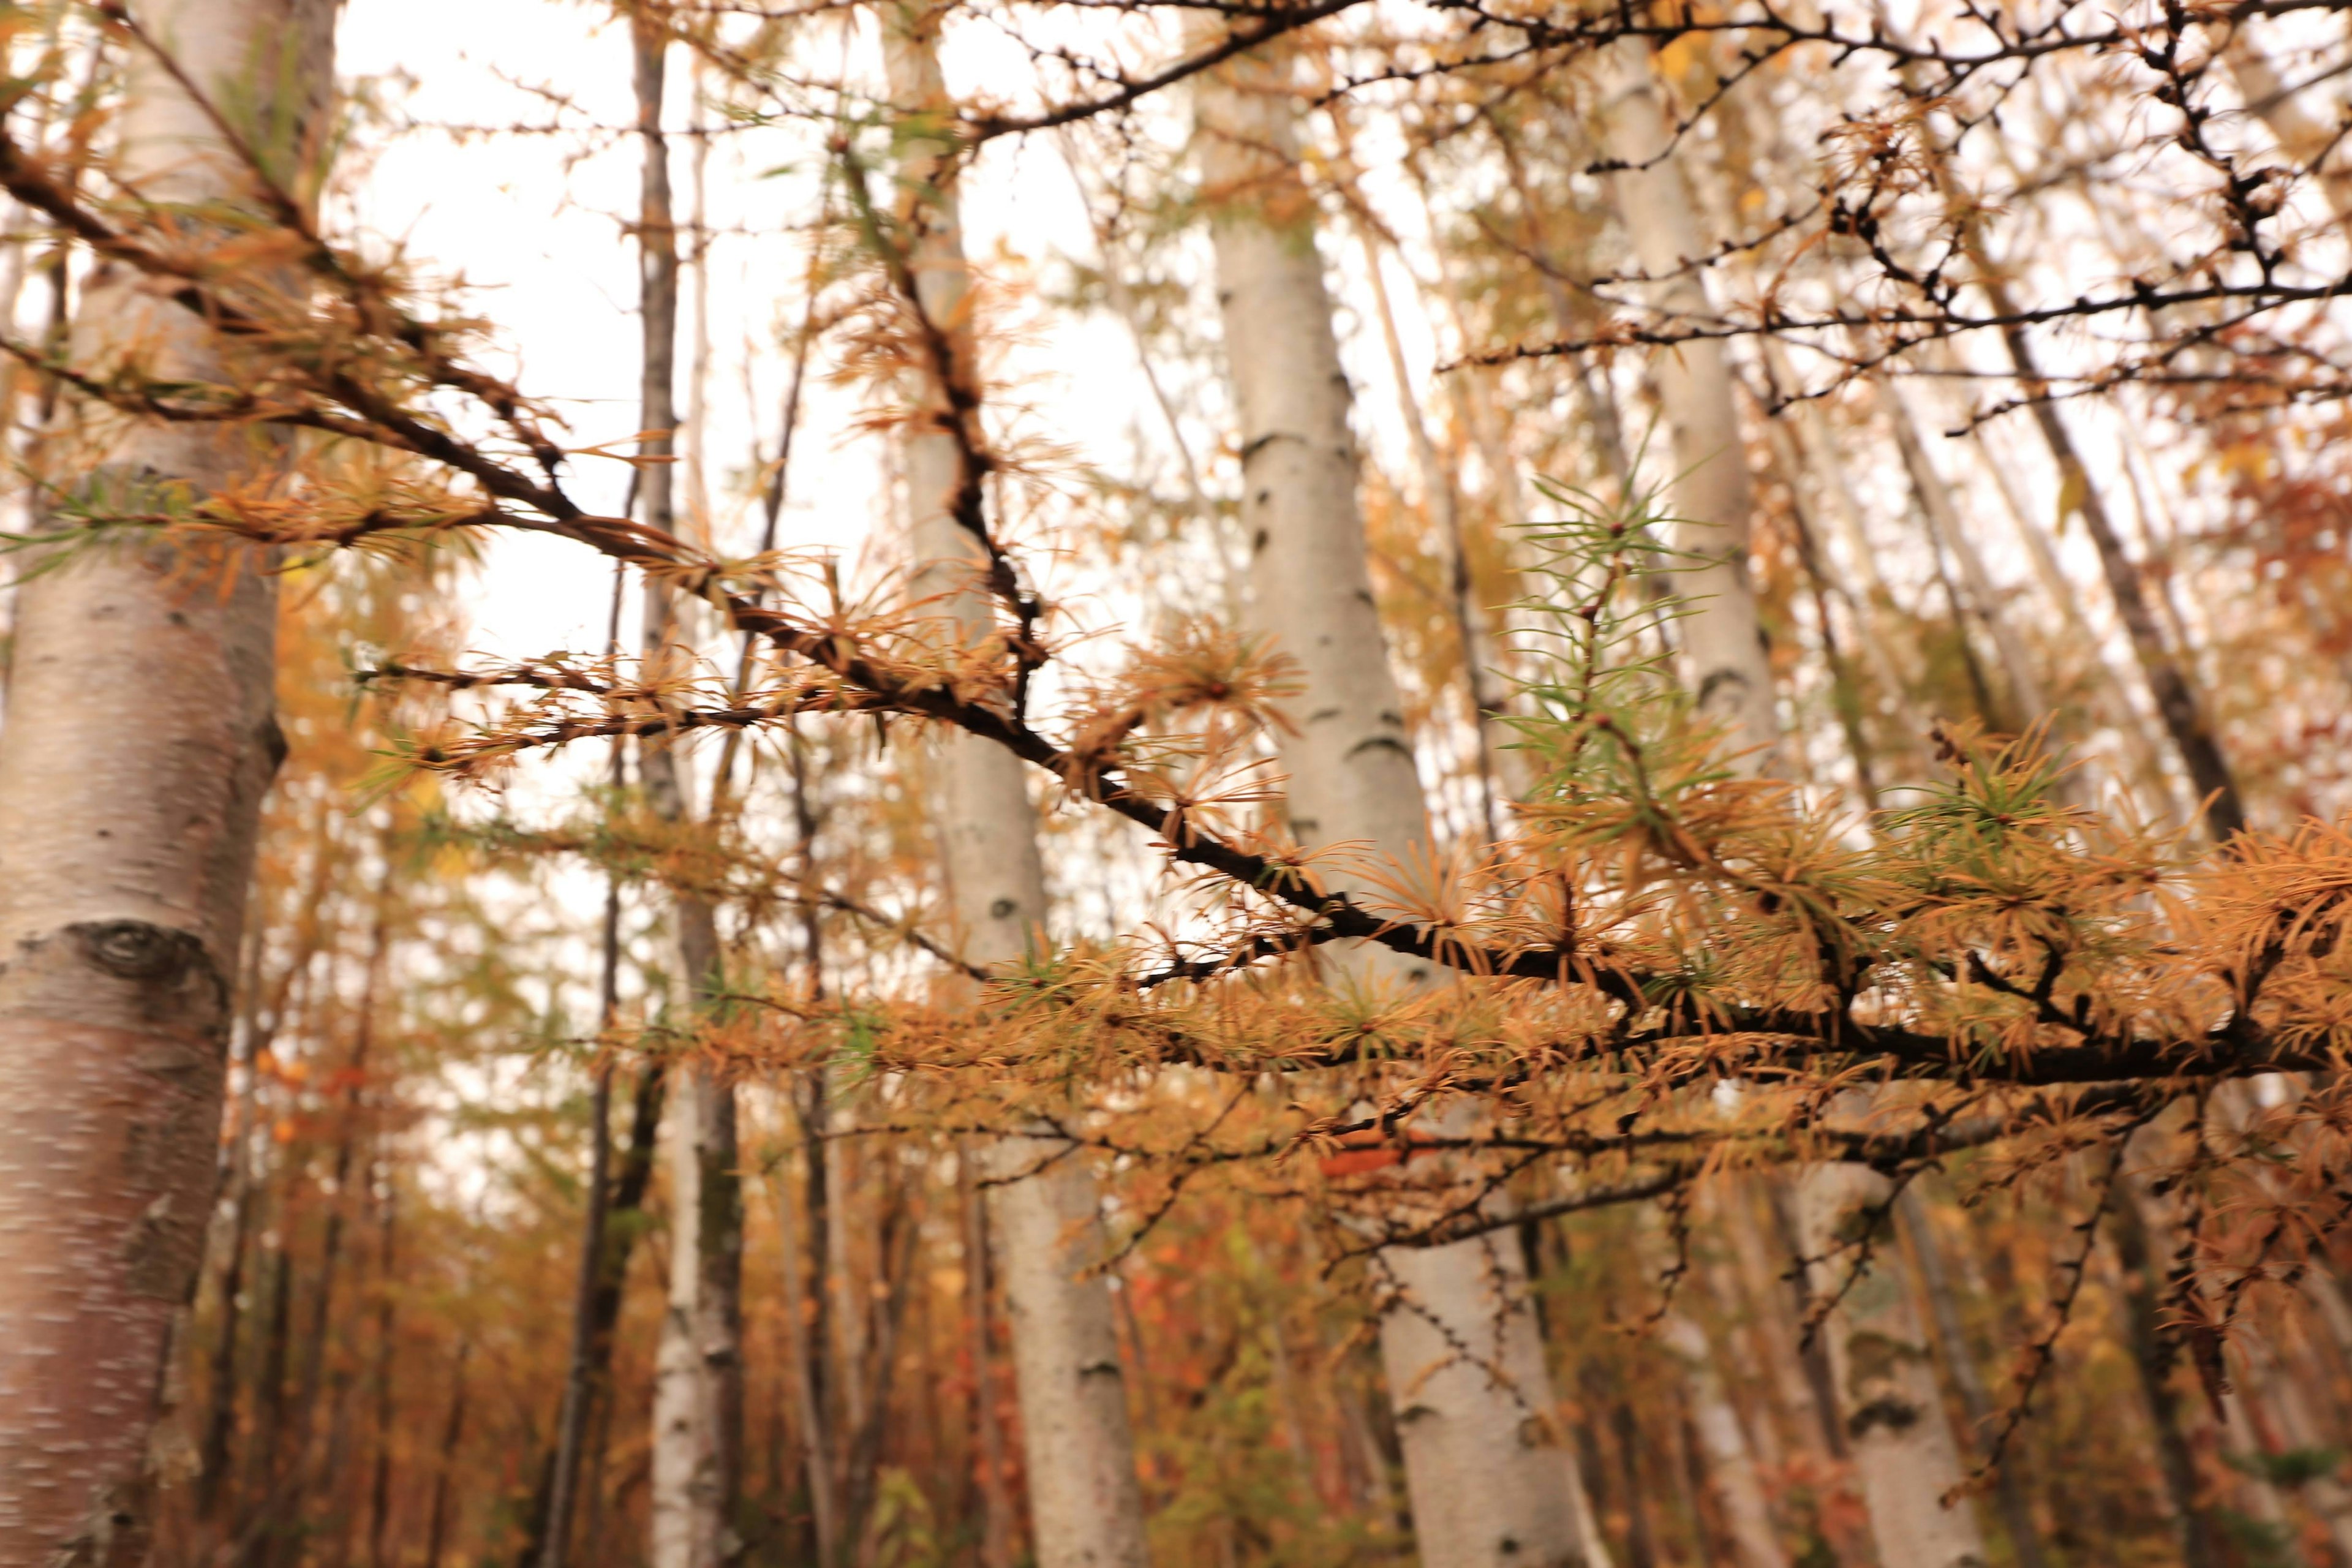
1903, 1448
1727, 665
1086, 1506
1960, 1359
1441, 499
139, 743
1728, 672
1723, 1442
1487, 1467
698, 1412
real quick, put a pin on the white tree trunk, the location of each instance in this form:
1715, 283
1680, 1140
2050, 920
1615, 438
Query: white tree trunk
140, 740
1943, 513
1488, 1470
1894, 1416
1723, 1442
697, 1368
1727, 667
1086, 1506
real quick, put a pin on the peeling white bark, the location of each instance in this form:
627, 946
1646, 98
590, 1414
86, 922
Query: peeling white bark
139, 743
1487, 1467
1904, 1450
1086, 1507
1723, 1442
1722, 646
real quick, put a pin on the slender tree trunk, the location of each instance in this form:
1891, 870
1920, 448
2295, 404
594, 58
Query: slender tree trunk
1728, 668
2140, 744
1771, 1302
1485, 1460
1086, 1507
1441, 499
1723, 1445
582, 1371
139, 743
894, 1268
824, 1474
1730, 674
2182, 708
1822, 581
237, 1232
2202, 1544
988, 1436
1722, 1449
213, 1490
1976, 1400
1904, 1450
437, 1523
1943, 514
291, 1497
269, 1390
698, 1379
803, 1334
380, 1472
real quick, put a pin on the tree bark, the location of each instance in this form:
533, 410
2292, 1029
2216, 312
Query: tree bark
1486, 1465
582, 1370
699, 1375
437, 1523
1937, 505
1976, 1401
1723, 1446
1904, 1450
1441, 500
379, 1464
810, 1308
1086, 1505
1727, 668
2182, 708
140, 740
988, 1437
2202, 1544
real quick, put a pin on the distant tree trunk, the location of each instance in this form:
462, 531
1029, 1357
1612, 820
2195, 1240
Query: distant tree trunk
1486, 1465
1723, 1449
1086, 1506
260, 1465
290, 1494
804, 1325
988, 1437
1943, 514
1976, 1401
2184, 710
898, 1236
139, 743
232, 1242
2202, 1544
582, 1370
1904, 1450
1727, 668
437, 1523
1441, 499
378, 1514
2284, 1403
699, 1372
